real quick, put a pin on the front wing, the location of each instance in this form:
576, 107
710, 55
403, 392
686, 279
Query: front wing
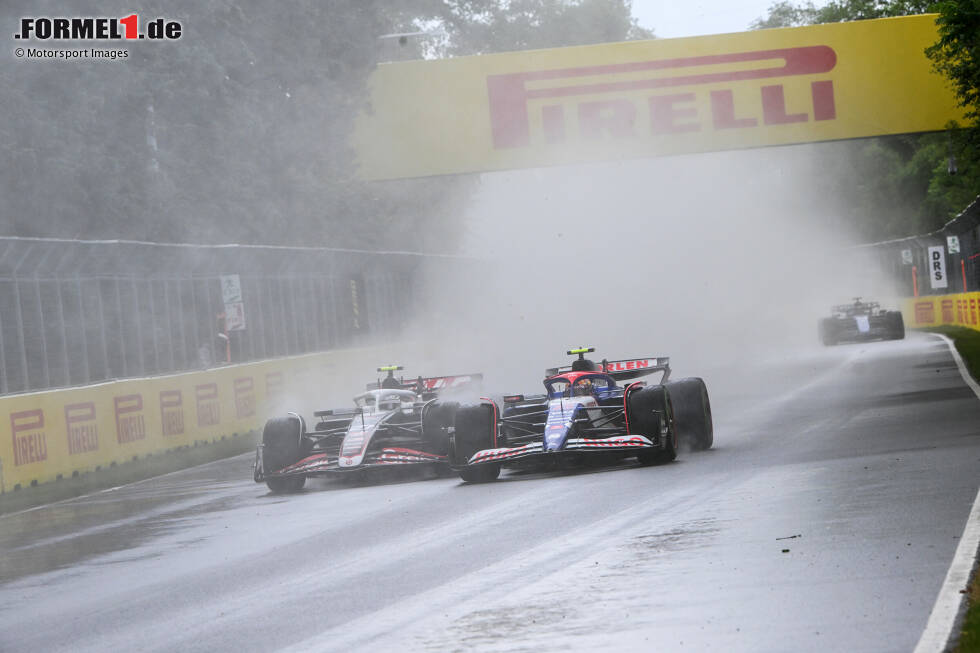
532, 450
325, 463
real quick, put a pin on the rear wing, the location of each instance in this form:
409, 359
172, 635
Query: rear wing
439, 383
433, 384
625, 369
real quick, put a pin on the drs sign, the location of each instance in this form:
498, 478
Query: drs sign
937, 267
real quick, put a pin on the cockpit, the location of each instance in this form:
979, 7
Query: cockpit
385, 400
579, 385
856, 308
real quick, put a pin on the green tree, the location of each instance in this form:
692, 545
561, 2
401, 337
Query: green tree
487, 26
896, 186
238, 131
957, 53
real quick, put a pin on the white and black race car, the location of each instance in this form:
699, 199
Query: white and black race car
393, 423
861, 321
584, 415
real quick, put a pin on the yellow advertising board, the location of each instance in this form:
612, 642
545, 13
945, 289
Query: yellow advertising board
958, 309
56, 433
653, 98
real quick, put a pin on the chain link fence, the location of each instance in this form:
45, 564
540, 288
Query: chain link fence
77, 312
938, 263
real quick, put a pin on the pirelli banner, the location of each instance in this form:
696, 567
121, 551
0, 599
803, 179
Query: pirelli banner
52, 434
653, 98
960, 309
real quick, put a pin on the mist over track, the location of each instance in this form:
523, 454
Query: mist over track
825, 518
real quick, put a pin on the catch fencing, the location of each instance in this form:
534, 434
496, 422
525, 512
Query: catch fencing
76, 312
942, 262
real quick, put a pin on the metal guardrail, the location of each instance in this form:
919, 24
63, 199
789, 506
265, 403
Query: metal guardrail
75, 312
941, 262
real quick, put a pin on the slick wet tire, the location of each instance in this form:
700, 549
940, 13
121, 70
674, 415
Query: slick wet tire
475, 431
481, 474
437, 418
283, 445
285, 484
649, 408
896, 326
692, 413
475, 426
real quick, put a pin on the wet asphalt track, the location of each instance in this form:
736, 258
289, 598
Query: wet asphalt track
861, 462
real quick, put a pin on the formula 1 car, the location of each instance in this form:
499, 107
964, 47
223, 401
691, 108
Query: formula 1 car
584, 415
861, 321
393, 423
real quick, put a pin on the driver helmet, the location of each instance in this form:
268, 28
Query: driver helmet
582, 388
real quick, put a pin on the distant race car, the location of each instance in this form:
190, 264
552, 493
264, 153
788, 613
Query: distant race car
861, 321
584, 415
393, 423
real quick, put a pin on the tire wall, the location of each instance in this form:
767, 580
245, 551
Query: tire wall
52, 434
959, 309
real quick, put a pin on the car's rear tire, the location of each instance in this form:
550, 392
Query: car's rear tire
282, 440
437, 418
692, 413
896, 325
475, 427
648, 409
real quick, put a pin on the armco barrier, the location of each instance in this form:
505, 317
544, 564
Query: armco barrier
57, 433
959, 309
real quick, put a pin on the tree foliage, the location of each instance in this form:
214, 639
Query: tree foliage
238, 131
897, 186
957, 53
787, 14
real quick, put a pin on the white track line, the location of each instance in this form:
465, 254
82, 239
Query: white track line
942, 620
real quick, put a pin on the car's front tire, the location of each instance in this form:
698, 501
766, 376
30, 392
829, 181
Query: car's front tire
282, 445
648, 410
474, 431
896, 326
285, 484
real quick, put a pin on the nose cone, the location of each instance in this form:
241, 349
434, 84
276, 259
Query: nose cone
561, 414
554, 437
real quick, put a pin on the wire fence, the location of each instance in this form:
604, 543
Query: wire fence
77, 312
942, 262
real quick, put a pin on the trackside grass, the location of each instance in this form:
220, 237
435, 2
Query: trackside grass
967, 342
128, 472
970, 637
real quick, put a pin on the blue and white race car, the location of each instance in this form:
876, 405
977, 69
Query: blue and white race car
861, 321
584, 414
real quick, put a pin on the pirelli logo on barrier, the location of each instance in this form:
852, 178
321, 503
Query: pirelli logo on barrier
30, 441
82, 427
946, 305
244, 397
172, 412
130, 425
273, 385
597, 96
208, 404
925, 312
653, 98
